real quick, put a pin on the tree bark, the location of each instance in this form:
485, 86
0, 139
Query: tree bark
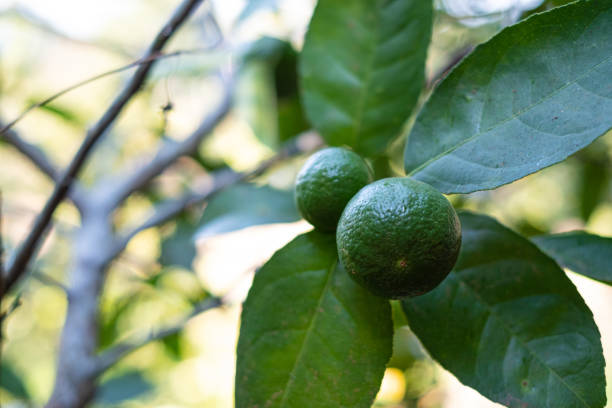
75, 381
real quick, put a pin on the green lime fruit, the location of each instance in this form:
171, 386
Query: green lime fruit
327, 182
398, 237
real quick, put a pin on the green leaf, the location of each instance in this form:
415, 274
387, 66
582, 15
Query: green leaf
310, 336
246, 205
530, 97
362, 69
256, 101
11, 382
127, 386
508, 322
179, 249
594, 173
62, 112
583, 253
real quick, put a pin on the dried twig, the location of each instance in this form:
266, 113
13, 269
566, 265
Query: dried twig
167, 154
117, 352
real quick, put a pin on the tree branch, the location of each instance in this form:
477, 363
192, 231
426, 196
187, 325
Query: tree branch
117, 352
25, 252
222, 179
168, 153
145, 60
42, 162
36, 155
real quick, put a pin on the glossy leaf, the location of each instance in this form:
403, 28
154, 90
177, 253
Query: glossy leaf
530, 97
583, 253
246, 205
362, 69
508, 322
310, 336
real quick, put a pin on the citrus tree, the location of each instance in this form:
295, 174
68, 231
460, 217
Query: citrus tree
317, 325
394, 265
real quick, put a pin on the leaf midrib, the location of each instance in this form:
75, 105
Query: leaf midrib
519, 340
357, 123
509, 119
291, 380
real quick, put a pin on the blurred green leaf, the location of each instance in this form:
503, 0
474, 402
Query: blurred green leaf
583, 253
245, 205
534, 94
11, 381
127, 386
362, 69
255, 101
266, 49
267, 96
178, 249
406, 349
508, 322
291, 120
310, 336
594, 170
108, 332
63, 112
172, 345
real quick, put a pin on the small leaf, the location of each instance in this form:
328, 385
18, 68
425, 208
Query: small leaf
256, 101
310, 336
11, 382
124, 387
508, 322
587, 254
246, 205
362, 69
530, 97
179, 249
62, 112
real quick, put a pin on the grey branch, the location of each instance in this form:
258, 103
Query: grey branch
27, 249
116, 353
169, 152
145, 60
36, 155
222, 179
42, 162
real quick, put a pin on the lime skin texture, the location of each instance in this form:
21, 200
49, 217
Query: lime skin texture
398, 237
326, 183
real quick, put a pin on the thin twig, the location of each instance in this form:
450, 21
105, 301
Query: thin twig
43, 163
27, 249
222, 179
168, 153
36, 155
50, 281
142, 61
117, 352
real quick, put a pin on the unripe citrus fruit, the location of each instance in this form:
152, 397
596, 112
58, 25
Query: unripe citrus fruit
327, 182
398, 237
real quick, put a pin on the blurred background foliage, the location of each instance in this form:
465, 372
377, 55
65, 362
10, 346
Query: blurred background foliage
47, 46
